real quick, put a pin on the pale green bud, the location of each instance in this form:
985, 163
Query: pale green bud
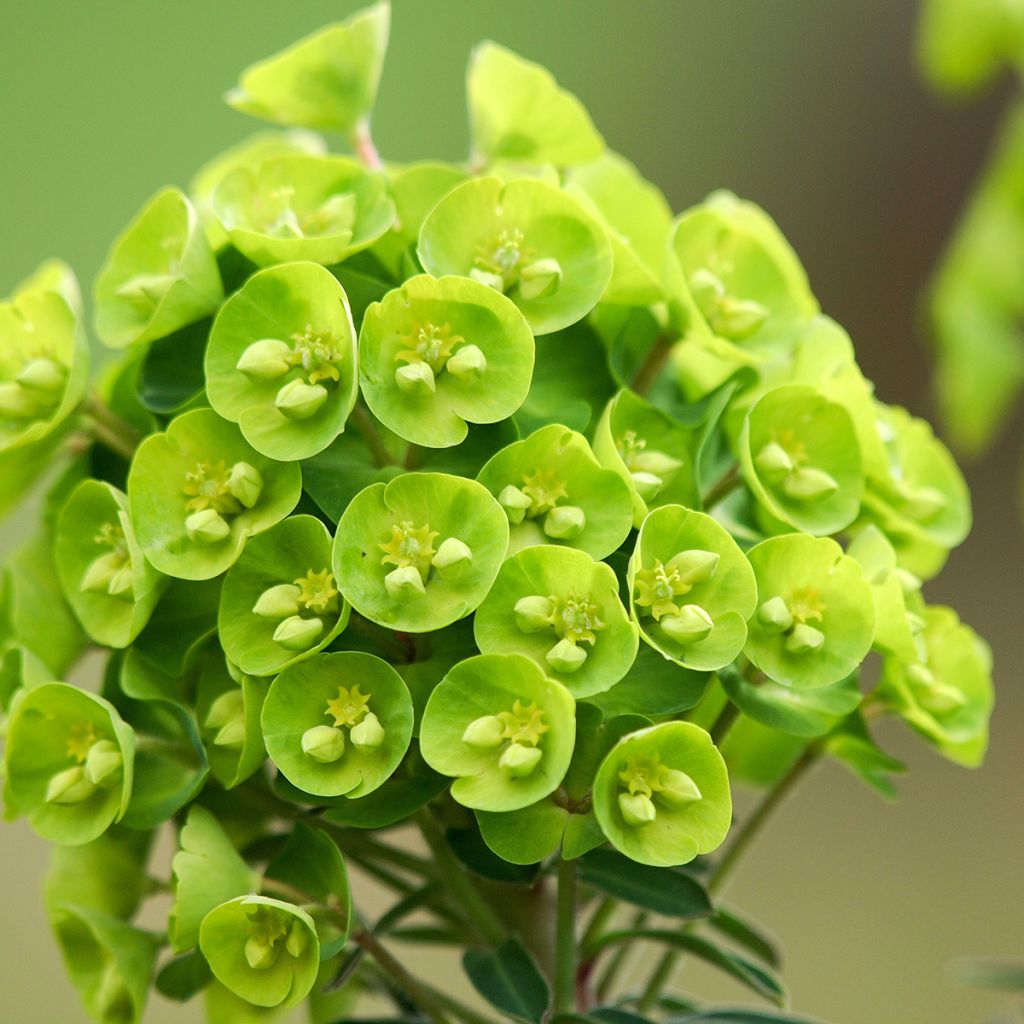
100, 572
337, 215
923, 503
515, 503
695, 565
647, 485
147, 289
648, 461
564, 522
495, 281
468, 364
809, 484
690, 626
17, 403
245, 483
773, 462
300, 401
637, 809
539, 279
266, 359
404, 583
227, 716
519, 760
70, 786
916, 623
453, 558
805, 639
113, 1001
232, 734
122, 582
206, 527
260, 953
775, 616
678, 788
534, 613
278, 602
566, 657
298, 634
416, 379
485, 732
297, 941
707, 291
739, 318
323, 743
368, 735
940, 698
909, 583
46, 376
103, 763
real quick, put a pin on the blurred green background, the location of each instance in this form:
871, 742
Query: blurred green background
810, 107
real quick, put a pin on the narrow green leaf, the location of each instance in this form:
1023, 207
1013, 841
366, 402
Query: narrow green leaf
509, 979
666, 892
748, 935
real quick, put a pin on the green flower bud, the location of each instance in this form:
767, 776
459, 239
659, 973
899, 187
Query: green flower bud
416, 379
565, 522
335, 216
245, 483
368, 735
17, 403
297, 941
519, 760
404, 582
922, 503
206, 527
647, 485
809, 484
323, 743
540, 278
677, 788
940, 698
921, 675
485, 732
690, 626
909, 583
265, 360
485, 277
43, 375
695, 565
122, 581
515, 503
652, 461
775, 616
534, 613
70, 786
452, 558
773, 462
707, 291
468, 364
227, 716
637, 809
566, 656
298, 634
300, 401
805, 639
104, 763
101, 572
113, 1001
278, 602
260, 953
738, 318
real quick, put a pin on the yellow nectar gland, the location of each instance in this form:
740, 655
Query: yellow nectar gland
657, 588
429, 344
317, 591
349, 707
80, 739
410, 546
207, 488
806, 605
544, 489
576, 619
523, 725
318, 354
503, 256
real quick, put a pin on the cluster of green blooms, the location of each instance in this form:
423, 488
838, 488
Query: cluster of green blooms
486, 497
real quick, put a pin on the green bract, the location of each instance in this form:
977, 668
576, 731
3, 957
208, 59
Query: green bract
68, 763
662, 795
338, 724
502, 729
264, 950
420, 552
303, 207
281, 361
691, 588
159, 276
198, 491
526, 239
562, 609
436, 353
280, 601
815, 617
554, 491
106, 579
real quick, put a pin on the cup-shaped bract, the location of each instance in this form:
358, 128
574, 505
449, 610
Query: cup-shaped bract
338, 724
560, 608
68, 763
228, 705
326, 81
502, 729
649, 450
420, 552
199, 490
554, 491
922, 504
416, 189
691, 588
105, 577
264, 950
801, 459
518, 112
303, 207
945, 692
280, 602
815, 617
662, 795
437, 353
159, 276
527, 239
281, 361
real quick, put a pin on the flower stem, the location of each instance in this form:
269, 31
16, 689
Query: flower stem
726, 484
647, 374
365, 148
565, 938
364, 424
109, 429
611, 973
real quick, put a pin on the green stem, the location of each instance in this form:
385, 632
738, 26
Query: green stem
726, 484
109, 429
724, 722
647, 374
603, 913
618, 961
363, 144
565, 938
658, 980
364, 424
